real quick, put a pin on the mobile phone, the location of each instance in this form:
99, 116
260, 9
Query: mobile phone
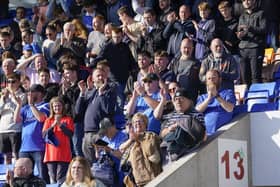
101, 142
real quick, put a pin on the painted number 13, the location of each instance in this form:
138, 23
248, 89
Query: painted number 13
226, 159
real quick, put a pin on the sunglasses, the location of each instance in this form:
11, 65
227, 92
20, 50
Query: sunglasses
11, 81
172, 90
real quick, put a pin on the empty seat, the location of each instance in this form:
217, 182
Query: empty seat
255, 97
270, 86
262, 107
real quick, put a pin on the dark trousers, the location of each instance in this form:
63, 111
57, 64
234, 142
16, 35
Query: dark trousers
57, 171
88, 149
251, 65
77, 139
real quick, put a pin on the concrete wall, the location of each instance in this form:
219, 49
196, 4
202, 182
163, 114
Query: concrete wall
200, 168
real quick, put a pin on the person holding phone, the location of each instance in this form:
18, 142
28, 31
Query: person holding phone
58, 155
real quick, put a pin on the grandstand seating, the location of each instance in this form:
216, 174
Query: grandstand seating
270, 86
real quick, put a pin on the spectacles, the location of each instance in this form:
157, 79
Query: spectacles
11, 81
172, 90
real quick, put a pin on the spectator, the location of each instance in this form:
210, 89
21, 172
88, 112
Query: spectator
161, 61
32, 117
227, 28
251, 32
25, 83
95, 104
48, 43
118, 54
114, 138
112, 7
143, 150
10, 131
225, 63
50, 88
69, 92
145, 99
205, 31
130, 28
8, 67
151, 39
20, 13
33, 72
40, 16
79, 174
80, 29
217, 104
90, 8
28, 37
5, 45
186, 68
58, 128
96, 39
165, 9
76, 8
178, 29
23, 175
69, 43
183, 108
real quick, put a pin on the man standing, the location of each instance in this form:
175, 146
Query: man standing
251, 31
217, 104
32, 117
95, 104
225, 63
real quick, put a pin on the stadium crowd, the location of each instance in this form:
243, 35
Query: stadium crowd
137, 83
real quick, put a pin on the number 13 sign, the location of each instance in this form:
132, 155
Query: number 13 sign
233, 165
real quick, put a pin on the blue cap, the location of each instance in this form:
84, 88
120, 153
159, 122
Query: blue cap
27, 47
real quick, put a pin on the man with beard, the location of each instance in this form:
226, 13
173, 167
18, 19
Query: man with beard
95, 104
221, 61
32, 117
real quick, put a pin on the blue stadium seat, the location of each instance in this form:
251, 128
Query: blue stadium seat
257, 96
53, 185
270, 86
262, 107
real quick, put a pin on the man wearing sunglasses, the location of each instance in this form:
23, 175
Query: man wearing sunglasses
10, 131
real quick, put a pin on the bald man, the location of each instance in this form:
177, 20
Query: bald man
219, 60
23, 175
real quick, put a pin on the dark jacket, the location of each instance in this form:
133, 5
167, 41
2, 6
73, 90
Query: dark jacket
176, 32
27, 182
95, 107
256, 23
152, 41
120, 59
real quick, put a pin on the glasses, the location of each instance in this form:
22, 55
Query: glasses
172, 90
11, 81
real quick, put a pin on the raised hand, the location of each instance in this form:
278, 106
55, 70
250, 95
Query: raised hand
82, 86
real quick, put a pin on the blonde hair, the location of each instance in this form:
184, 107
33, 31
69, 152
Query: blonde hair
80, 29
87, 178
204, 6
53, 100
139, 115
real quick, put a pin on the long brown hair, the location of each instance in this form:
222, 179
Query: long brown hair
53, 100
87, 178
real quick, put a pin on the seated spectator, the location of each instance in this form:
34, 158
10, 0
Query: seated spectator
143, 151
183, 110
205, 30
58, 130
225, 63
114, 138
145, 99
79, 174
5, 45
25, 83
10, 131
23, 175
80, 29
28, 37
217, 104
